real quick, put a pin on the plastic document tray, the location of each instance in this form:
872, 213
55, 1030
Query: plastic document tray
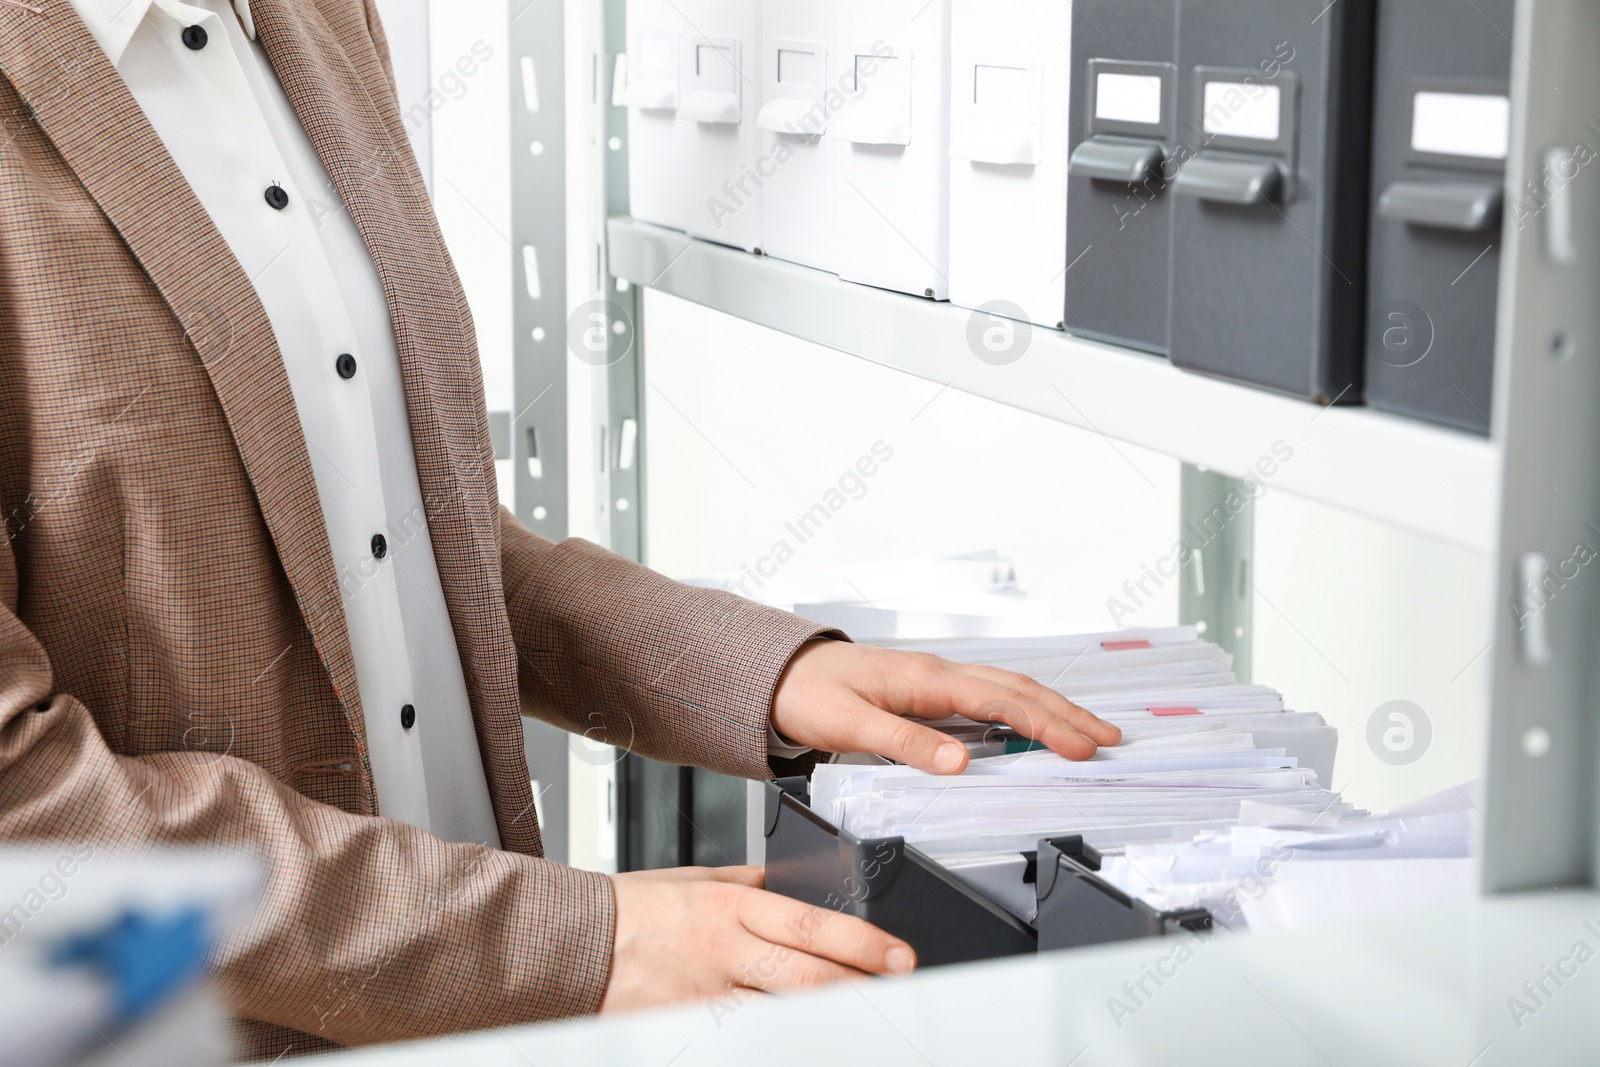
1078, 907
899, 889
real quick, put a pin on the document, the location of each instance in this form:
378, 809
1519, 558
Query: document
1215, 780
1197, 748
1278, 867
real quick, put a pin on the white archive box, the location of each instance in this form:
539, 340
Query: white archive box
1009, 72
799, 163
719, 57
655, 172
894, 194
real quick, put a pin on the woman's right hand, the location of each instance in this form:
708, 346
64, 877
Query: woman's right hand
693, 933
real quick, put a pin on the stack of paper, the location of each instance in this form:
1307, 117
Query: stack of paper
1198, 750
1196, 745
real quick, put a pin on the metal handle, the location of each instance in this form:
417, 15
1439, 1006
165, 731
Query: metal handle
1117, 161
1231, 181
1466, 206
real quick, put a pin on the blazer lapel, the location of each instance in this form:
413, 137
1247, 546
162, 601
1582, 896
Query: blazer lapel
332, 78
85, 107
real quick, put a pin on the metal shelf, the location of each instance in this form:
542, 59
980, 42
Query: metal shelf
1440, 482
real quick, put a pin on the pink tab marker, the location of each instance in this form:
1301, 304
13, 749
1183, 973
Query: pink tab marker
1124, 646
1173, 711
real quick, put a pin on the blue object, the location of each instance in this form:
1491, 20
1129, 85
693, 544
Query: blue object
146, 958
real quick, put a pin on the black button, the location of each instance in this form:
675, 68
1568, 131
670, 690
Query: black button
277, 197
380, 547
195, 37
345, 365
408, 717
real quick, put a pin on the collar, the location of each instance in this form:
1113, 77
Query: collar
113, 22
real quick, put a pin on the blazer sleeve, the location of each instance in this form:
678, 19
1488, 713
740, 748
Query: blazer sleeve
614, 651
368, 929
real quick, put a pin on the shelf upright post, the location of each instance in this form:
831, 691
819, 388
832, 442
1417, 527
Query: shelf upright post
653, 802
621, 473
538, 425
1540, 811
1216, 522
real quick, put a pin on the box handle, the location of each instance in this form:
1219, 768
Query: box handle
863, 125
1231, 181
656, 94
1470, 207
710, 106
792, 115
1001, 144
1117, 161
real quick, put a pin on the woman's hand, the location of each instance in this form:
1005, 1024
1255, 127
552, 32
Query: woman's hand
841, 697
694, 933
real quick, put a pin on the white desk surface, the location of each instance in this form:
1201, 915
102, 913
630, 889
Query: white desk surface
1422, 989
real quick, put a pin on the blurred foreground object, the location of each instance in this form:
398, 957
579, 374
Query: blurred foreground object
102, 957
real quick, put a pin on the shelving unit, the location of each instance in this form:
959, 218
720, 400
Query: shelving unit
1525, 496
1438, 481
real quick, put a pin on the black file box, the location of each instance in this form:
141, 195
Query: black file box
1441, 102
1121, 130
886, 882
1269, 199
896, 887
1076, 907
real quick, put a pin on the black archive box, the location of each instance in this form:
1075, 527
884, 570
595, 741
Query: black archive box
1269, 199
1440, 133
1121, 132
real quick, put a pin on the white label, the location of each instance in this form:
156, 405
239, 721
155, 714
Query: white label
1000, 87
657, 55
883, 81
1242, 109
1128, 98
797, 68
1461, 124
713, 64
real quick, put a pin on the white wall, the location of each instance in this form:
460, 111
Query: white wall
746, 428
472, 170
1352, 613
408, 26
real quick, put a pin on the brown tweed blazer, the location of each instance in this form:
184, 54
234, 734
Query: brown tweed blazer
174, 665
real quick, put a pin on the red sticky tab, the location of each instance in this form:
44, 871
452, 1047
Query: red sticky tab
1174, 711
1124, 646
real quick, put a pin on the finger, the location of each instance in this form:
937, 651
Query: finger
1081, 719
768, 967
825, 934
860, 726
1035, 711
1030, 720
933, 688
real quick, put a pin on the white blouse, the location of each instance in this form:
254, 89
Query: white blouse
212, 96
